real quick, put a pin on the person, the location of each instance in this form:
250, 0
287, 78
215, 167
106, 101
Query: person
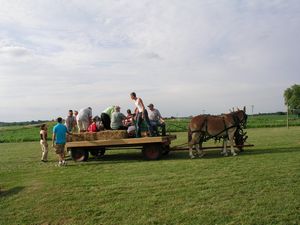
156, 120
106, 117
117, 119
129, 119
43, 142
70, 121
93, 126
76, 126
59, 140
141, 114
84, 119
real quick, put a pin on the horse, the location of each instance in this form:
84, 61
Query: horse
204, 127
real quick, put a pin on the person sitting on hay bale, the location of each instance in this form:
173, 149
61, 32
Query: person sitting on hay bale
156, 120
117, 119
93, 126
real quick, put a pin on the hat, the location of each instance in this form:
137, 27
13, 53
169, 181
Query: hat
150, 105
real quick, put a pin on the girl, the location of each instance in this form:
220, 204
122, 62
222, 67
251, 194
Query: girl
43, 142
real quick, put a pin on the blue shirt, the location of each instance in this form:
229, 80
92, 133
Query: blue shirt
60, 130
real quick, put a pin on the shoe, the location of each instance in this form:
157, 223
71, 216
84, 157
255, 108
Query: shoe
44, 160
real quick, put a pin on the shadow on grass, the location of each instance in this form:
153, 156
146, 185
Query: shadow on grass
10, 192
130, 157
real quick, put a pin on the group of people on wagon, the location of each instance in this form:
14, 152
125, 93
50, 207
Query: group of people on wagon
113, 119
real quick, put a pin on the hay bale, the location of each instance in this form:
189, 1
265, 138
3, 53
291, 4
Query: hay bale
69, 138
111, 134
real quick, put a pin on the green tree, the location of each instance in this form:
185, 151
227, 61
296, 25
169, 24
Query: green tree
292, 98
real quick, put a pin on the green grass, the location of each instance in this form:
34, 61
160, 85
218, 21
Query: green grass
31, 132
260, 186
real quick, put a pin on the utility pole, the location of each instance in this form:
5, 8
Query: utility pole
287, 117
252, 109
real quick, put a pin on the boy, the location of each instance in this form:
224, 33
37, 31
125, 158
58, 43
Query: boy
59, 140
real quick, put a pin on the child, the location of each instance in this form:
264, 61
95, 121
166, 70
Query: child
93, 126
43, 142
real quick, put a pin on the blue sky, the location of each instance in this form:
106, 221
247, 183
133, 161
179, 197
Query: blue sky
185, 57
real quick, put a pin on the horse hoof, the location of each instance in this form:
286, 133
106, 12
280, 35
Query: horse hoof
234, 154
192, 156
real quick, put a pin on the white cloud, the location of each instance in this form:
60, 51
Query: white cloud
184, 56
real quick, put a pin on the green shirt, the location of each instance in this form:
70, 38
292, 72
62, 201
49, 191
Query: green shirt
109, 111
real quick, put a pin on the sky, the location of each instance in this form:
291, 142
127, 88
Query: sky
186, 57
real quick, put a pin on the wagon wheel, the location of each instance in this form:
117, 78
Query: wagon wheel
165, 149
99, 152
152, 151
79, 155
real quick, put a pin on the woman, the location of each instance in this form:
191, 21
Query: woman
43, 142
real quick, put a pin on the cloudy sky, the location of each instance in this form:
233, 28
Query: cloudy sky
185, 57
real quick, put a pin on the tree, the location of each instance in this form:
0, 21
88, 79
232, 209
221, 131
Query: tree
292, 98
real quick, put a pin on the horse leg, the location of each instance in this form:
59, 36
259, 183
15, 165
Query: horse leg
225, 147
191, 145
199, 148
231, 145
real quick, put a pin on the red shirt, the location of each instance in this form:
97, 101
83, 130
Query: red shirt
92, 128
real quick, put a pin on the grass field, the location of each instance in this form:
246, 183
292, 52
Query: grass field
260, 186
30, 132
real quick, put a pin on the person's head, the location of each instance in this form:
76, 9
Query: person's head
59, 120
70, 112
44, 126
133, 95
90, 108
128, 111
94, 120
75, 112
117, 108
151, 106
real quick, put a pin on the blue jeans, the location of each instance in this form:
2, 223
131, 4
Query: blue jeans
139, 121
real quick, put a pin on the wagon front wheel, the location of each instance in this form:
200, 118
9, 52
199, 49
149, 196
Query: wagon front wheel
79, 155
152, 151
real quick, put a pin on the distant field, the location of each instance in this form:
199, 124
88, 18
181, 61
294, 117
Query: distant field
259, 186
31, 132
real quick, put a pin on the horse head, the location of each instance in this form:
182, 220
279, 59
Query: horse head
240, 117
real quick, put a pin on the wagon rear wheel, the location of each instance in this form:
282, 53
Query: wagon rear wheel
152, 151
79, 155
99, 152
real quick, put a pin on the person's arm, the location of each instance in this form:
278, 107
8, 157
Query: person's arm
53, 138
160, 117
143, 107
44, 135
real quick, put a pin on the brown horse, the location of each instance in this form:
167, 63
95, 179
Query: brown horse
204, 127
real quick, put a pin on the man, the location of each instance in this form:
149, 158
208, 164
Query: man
117, 119
141, 114
156, 119
106, 117
70, 121
59, 140
84, 119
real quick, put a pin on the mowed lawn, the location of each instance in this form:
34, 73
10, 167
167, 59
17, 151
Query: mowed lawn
259, 186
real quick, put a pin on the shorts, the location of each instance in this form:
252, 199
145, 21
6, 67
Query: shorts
59, 148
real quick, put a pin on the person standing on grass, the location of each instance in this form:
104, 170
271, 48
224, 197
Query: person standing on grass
141, 114
43, 142
59, 140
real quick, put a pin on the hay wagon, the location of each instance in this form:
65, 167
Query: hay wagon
81, 146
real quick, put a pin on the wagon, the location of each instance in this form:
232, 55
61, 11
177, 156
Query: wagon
152, 147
